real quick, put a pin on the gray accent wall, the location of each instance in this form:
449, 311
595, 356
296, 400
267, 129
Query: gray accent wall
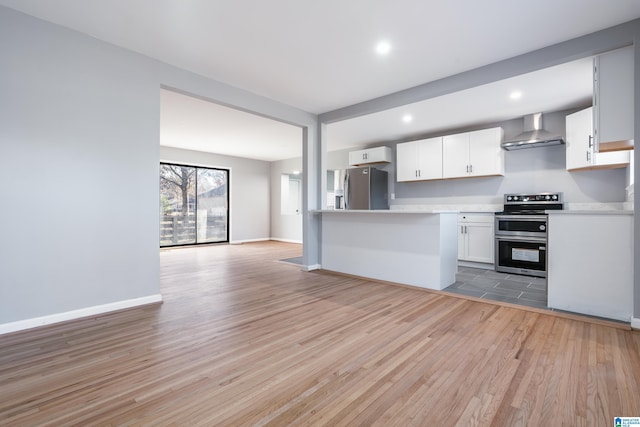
79, 131
526, 171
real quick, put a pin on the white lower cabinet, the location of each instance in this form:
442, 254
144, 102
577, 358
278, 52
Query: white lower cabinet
476, 237
590, 263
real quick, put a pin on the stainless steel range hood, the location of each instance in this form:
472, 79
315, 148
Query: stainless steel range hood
533, 136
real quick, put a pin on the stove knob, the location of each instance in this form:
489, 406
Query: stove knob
547, 197
542, 227
509, 198
554, 197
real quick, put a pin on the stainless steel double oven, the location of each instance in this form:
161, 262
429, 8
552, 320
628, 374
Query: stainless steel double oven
521, 233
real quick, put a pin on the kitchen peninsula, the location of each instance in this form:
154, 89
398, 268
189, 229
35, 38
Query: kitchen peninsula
417, 248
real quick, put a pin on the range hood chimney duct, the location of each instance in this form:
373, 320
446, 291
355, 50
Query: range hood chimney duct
533, 136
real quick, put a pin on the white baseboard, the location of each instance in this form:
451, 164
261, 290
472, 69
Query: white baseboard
21, 325
266, 239
286, 240
481, 265
635, 323
239, 242
313, 267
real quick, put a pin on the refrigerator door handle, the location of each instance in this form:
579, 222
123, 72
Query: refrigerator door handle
346, 191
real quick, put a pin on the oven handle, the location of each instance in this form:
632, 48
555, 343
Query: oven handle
522, 239
522, 217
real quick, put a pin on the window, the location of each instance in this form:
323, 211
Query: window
194, 205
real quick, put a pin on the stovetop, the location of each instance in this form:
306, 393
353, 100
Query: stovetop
531, 203
529, 199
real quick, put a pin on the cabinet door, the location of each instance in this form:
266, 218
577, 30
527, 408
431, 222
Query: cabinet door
370, 156
357, 157
419, 160
407, 161
579, 139
455, 155
581, 152
462, 241
486, 157
480, 240
613, 96
378, 155
476, 237
429, 158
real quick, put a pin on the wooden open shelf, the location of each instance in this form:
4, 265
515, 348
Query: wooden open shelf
623, 145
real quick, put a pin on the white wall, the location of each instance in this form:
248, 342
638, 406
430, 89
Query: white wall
79, 132
284, 227
250, 183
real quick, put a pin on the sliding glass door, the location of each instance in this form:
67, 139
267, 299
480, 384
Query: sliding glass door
213, 205
194, 205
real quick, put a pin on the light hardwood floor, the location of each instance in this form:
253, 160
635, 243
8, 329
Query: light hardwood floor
242, 339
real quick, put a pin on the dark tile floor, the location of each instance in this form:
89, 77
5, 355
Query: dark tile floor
297, 260
489, 284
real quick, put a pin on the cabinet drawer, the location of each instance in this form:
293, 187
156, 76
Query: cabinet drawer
476, 217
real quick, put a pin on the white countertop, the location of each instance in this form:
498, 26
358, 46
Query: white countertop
470, 208
617, 208
590, 212
383, 211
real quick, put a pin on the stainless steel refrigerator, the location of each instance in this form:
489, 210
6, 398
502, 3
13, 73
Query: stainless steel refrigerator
362, 188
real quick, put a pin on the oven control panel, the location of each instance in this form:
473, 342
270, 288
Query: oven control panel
532, 198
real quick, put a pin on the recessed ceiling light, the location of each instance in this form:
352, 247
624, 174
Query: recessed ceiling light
383, 47
407, 118
516, 94
296, 172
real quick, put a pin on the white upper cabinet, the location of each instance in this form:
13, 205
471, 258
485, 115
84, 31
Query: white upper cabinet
370, 156
419, 160
455, 155
579, 139
470, 154
581, 153
613, 97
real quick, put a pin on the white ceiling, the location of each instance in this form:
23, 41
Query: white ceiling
552, 89
319, 55
194, 124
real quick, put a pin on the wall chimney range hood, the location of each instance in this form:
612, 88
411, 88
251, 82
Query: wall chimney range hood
534, 135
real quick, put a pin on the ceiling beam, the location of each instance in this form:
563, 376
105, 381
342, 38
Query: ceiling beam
574, 49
